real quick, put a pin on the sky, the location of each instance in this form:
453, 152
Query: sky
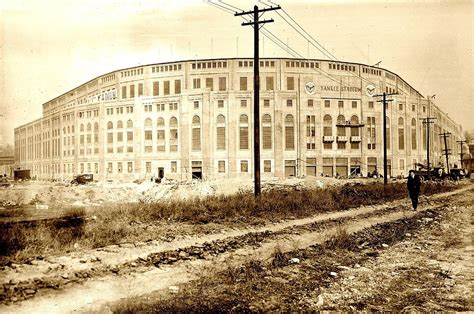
49, 47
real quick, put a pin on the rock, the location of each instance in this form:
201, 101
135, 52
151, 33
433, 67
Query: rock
133, 264
384, 245
356, 266
427, 219
320, 301
408, 234
76, 245
83, 260
173, 289
333, 274
65, 276
183, 254
343, 267
14, 282
294, 260
351, 277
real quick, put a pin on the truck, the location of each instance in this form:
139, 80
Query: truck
21, 175
82, 179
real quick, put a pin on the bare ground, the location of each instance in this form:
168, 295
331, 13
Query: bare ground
96, 278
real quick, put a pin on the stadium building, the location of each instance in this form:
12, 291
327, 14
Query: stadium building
195, 118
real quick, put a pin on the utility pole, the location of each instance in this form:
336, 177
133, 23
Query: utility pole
428, 121
256, 85
385, 101
446, 150
461, 142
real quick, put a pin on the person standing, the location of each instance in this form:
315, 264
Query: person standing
413, 186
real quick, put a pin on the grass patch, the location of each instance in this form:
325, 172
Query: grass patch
145, 221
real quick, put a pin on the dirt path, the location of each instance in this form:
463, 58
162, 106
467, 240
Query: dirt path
103, 287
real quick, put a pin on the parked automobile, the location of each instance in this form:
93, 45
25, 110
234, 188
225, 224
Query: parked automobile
83, 179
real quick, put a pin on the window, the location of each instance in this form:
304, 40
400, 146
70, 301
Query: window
148, 167
267, 131
400, 106
166, 87
174, 166
177, 86
148, 135
119, 167
148, 123
156, 88
110, 138
243, 83
129, 167
354, 131
244, 166
389, 135
289, 103
129, 124
109, 167
132, 91
196, 83
413, 133
413, 108
371, 105
124, 92
401, 134
119, 137
220, 132
354, 105
267, 166
310, 103
196, 133
311, 167
266, 103
221, 166
173, 134
243, 103
140, 89
220, 103
290, 83
327, 130
196, 104
327, 103
210, 83
243, 132
269, 81
289, 132
311, 132
341, 131
222, 84
340, 104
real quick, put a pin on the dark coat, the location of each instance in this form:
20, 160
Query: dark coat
413, 185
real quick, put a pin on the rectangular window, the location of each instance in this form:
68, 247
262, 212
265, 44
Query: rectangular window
243, 83
140, 89
156, 88
371, 105
267, 166
289, 103
129, 136
220, 138
244, 166
177, 86
166, 87
120, 137
266, 103
222, 84
311, 167
129, 167
327, 103
196, 140
220, 103
310, 103
400, 106
132, 91
124, 92
340, 104
196, 83
174, 166
119, 167
196, 104
109, 167
354, 105
269, 81
243, 103
210, 83
110, 138
148, 135
221, 166
148, 167
290, 83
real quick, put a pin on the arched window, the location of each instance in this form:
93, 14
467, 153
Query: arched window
289, 132
82, 127
389, 134
401, 134
196, 133
96, 127
119, 125
341, 130
413, 134
220, 132
267, 131
148, 123
160, 133
327, 125
173, 134
89, 127
160, 122
244, 132
110, 125
129, 124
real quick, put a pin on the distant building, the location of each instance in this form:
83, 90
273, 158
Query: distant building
187, 118
6, 165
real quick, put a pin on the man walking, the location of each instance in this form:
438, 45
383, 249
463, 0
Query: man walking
413, 185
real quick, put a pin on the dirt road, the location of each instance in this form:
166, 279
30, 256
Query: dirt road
90, 280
